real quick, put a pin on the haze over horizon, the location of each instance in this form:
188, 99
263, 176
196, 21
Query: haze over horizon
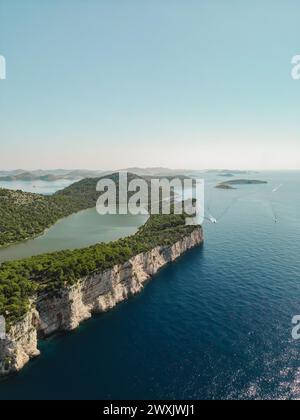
195, 85
141, 168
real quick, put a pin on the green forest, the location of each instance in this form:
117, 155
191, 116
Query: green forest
19, 280
26, 215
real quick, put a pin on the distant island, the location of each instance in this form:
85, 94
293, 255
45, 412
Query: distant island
225, 186
227, 175
77, 174
47, 176
226, 172
228, 185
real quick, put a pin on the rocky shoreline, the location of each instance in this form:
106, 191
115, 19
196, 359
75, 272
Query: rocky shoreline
98, 293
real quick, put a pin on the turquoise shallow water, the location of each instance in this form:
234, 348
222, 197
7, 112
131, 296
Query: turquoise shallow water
215, 324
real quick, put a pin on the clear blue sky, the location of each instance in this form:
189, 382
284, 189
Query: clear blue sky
181, 83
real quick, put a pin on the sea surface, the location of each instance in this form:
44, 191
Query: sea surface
37, 186
216, 324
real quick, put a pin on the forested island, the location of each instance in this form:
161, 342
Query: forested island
229, 185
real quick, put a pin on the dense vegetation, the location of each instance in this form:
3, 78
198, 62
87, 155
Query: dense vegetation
19, 280
26, 215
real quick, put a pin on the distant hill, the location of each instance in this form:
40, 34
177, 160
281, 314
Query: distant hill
24, 176
41, 175
9, 173
157, 171
77, 174
85, 193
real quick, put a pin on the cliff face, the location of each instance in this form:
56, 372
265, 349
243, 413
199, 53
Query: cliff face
20, 345
90, 295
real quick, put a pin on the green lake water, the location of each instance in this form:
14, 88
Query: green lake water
76, 231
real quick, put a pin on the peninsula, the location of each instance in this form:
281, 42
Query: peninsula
55, 292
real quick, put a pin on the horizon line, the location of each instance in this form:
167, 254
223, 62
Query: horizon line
149, 168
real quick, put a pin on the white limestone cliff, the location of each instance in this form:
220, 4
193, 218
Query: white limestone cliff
98, 293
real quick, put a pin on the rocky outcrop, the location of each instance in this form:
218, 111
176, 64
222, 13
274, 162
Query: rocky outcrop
98, 293
20, 345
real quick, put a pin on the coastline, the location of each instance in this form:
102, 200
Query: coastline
66, 309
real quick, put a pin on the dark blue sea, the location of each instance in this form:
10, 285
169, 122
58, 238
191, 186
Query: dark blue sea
216, 324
